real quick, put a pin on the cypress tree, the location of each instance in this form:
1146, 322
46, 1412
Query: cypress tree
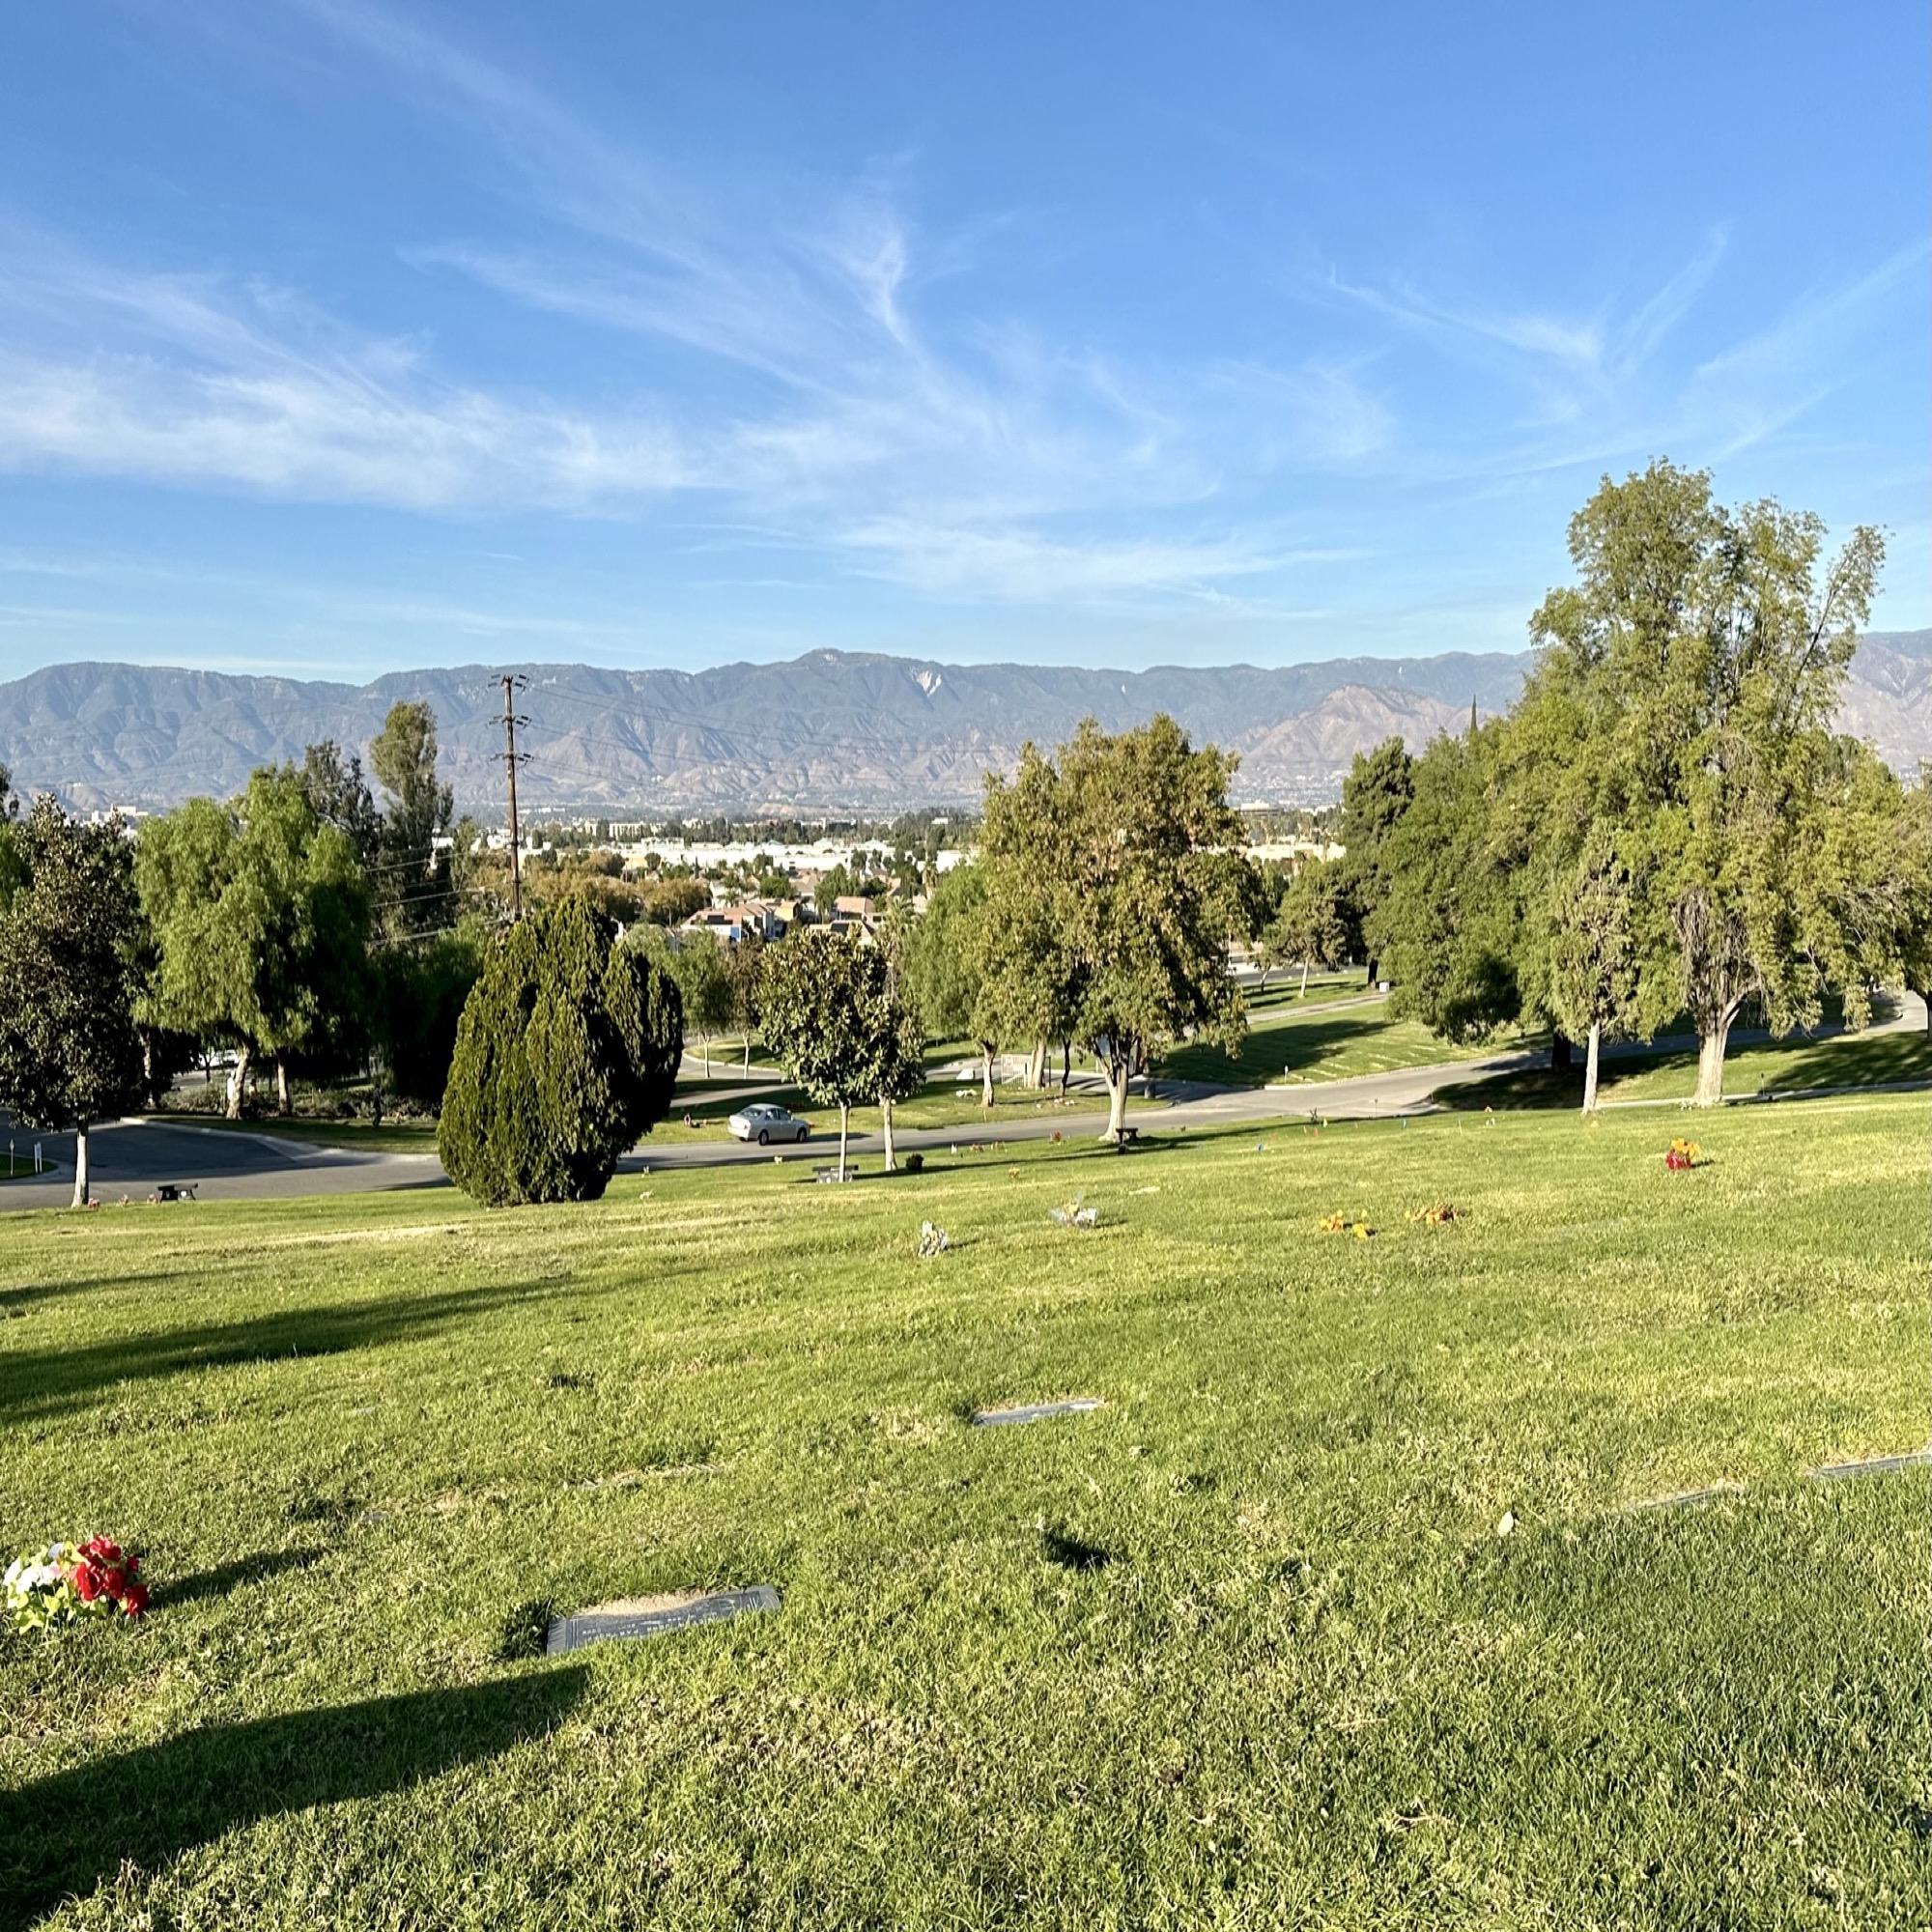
566, 1053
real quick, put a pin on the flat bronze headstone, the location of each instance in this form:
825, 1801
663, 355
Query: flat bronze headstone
632, 1617
1039, 1411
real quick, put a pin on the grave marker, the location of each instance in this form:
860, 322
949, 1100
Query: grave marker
636, 1617
1039, 1411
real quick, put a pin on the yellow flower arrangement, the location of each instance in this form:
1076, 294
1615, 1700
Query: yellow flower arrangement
1341, 1224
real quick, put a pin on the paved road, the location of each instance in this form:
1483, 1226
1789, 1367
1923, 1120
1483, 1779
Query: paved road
128, 1157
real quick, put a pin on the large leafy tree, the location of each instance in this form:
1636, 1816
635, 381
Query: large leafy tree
260, 917
69, 1051
1705, 649
1122, 842
566, 1053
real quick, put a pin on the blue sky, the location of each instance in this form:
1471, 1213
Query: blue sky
339, 337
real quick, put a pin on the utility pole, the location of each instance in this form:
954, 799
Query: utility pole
511, 684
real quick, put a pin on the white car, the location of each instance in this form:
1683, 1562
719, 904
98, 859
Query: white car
766, 1121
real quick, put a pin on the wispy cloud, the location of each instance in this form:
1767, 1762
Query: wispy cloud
788, 363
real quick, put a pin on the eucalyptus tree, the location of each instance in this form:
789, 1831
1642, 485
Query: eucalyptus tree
1705, 649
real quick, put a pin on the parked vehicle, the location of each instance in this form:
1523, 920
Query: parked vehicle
766, 1121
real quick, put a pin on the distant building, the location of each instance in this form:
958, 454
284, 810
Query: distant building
734, 923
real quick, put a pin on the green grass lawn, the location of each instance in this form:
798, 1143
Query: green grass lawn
1244, 1647
1307, 1045
1841, 1060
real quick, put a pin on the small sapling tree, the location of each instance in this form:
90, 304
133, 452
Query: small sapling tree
835, 1023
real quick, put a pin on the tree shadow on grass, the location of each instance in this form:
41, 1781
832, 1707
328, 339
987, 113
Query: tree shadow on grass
1274, 1052
46, 1381
201, 1584
61, 1835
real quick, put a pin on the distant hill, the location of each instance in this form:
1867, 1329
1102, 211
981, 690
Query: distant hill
830, 729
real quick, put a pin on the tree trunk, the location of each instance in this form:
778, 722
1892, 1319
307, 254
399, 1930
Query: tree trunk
1590, 1066
747, 1053
986, 1078
1036, 1066
845, 1129
1559, 1052
886, 1128
148, 1069
281, 1084
707, 1056
1711, 1064
237, 1080
1262, 984
1120, 1070
1065, 1066
1304, 980
80, 1164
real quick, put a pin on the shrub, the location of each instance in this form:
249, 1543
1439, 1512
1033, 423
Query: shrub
565, 1054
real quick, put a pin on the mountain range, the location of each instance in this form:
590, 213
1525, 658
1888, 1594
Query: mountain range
829, 730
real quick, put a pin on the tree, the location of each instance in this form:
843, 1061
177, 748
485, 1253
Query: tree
1309, 926
415, 876
896, 1026
68, 1052
566, 1053
1374, 796
1447, 923
1914, 848
948, 959
338, 795
745, 968
704, 988
1119, 847
1707, 647
13, 863
674, 900
1592, 961
260, 917
833, 1021
421, 991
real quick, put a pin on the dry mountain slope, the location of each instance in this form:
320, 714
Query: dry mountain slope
828, 729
